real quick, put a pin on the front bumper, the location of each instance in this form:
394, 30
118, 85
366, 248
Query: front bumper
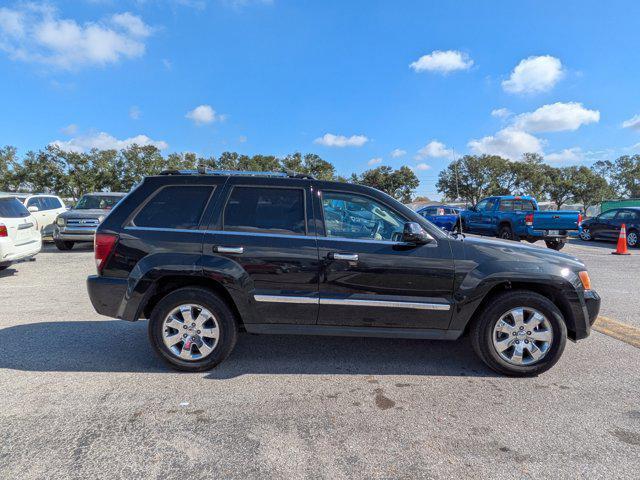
592, 302
75, 234
107, 294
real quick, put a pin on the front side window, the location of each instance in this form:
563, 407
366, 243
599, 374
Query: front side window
102, 202
266, 210
175, 207
486, 205
51, 203
608, 215
359, 217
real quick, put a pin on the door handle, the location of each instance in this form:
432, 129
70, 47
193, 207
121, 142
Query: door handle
350, 257
235, 250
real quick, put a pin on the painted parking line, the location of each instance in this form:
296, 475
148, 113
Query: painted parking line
618, 330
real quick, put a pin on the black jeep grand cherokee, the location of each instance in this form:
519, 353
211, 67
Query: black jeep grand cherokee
204, 255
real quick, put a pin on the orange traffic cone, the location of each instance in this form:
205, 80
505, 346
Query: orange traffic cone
622, 242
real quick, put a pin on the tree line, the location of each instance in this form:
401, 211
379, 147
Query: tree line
474, 177
71, 174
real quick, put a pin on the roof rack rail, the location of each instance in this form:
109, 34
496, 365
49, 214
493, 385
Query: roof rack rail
206, 171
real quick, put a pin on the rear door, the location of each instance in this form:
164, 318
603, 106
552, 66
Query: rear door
368, 276
628, 217
265, 228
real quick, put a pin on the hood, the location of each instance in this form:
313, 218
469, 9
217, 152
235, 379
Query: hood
91, 213
499, 250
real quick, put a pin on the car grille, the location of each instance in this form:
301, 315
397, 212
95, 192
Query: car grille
83, 222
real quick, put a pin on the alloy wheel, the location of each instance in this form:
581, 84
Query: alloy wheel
585, 234
632, 239
190, 332
522, 336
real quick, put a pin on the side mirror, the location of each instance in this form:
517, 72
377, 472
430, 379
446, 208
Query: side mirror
33, 209
414, 233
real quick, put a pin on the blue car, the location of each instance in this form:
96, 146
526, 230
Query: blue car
443, 216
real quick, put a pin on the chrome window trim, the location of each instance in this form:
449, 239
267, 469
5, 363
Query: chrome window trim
352, 302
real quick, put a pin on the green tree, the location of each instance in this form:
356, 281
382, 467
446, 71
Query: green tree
587, 187
138, 162
473, 177
623, 174
8, 163
399, 183
559, 186
41, 171
310, 164
533, 176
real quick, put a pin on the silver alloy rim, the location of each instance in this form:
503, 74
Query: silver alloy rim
632, 239
190, 332
585, 235
522, 336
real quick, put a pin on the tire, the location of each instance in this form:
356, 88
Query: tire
64, 246
226, 326
555, 244
482, 334
585, 235
506, 233
633, 238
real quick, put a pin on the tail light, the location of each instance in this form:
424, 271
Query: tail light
579, 219
3, 231
528, 219
102, 248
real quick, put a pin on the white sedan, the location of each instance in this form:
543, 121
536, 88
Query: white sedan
20, 237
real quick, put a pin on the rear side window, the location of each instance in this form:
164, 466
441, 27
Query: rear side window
526, 205
627, 215
178, 207
12, 208
506, 205
266, 210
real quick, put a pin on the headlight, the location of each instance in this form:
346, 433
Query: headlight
100, 218
60, 221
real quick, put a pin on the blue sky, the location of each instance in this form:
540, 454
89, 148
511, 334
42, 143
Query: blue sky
358, 82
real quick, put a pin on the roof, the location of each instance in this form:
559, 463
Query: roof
102, 194
248, 173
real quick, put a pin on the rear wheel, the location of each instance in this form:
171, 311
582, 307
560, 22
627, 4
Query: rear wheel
62, 245
554, 244
519, 333
632, 238
506, 233
192, 329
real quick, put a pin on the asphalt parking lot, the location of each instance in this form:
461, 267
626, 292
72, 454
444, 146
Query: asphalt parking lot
83, 396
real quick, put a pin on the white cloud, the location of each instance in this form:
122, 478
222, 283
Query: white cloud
398, 152
442, 62
204, 114
633, 123
556, 117
135, 112
70, 129
104, 141
35, 33
500, 113
568, 155
422, 167
374, 161
331, 140
434, 149
509, 143
534, 74
242, 139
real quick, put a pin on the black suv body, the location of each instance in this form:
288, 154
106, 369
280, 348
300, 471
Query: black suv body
206, 255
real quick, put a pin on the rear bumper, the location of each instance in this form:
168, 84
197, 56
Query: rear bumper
10, 253
106, 294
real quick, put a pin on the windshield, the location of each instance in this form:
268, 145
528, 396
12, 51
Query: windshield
103, 202
12, 208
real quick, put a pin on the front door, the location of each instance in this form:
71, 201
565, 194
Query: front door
369, 277
603, 226
267, 234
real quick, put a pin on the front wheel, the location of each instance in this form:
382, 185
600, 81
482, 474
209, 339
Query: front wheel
555, 244
519, 333
64, 246
192, 329
585, 234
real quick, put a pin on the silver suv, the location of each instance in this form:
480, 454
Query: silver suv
79, 224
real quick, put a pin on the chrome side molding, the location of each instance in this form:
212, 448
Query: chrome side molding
351, 302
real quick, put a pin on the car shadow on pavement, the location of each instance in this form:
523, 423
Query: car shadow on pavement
118, 346
7, 272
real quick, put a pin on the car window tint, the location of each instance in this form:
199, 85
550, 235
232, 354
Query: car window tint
523, 205
52, 203
266, 210
506, 205
626, 215
359, 217
178, 207
608, 215
12, 208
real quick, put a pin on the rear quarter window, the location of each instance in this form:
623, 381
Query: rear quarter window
175, 207
12, 208
266, 210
